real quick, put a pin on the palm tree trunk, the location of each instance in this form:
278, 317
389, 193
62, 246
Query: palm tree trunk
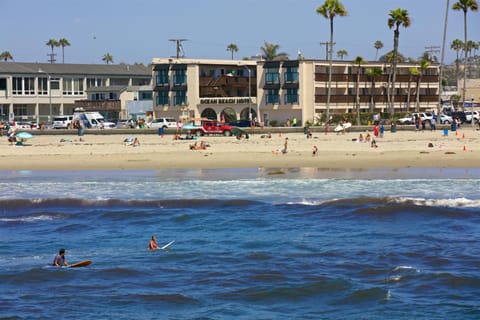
394, 71
442, 60
329, 91
358, 96
417, 105
465, 58
408, 91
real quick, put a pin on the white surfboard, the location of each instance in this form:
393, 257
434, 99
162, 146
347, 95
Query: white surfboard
167, 245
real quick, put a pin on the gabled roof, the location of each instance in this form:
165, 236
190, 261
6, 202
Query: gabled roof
75, 69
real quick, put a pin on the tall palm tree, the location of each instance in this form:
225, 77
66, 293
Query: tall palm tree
52, 43
233, 48
107, 58
63, 43
457, 45
342, 53
329, 10
465, 5
398, 17
424, 64
377, 45
358, 62
270, 52
373, 74
6, 55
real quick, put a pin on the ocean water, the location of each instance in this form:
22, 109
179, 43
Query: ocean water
249, 244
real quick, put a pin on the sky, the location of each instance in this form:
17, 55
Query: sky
135, 31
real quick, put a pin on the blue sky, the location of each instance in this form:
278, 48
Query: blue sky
138, 30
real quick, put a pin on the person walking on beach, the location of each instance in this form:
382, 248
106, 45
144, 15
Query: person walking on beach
284, 150
153, 244
60, 260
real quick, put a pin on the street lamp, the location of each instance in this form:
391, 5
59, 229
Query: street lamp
473, 119
49, 87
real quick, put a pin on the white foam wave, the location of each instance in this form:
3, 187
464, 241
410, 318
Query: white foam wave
453, 203
28, 219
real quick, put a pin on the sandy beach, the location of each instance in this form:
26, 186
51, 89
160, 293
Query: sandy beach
401, 149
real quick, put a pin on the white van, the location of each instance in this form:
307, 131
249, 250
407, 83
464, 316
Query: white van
92, 119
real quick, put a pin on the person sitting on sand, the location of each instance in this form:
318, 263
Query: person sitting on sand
367, 138
315, 150
373, 144
360, 138
132, 141
153, 244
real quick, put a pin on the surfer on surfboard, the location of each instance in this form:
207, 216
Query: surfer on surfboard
153, 245
60, 260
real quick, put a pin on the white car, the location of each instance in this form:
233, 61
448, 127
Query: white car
409, 119
445, 119
468, 116
62, 122
163, 123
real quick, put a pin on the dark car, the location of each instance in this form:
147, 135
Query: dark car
242, 123
460, 115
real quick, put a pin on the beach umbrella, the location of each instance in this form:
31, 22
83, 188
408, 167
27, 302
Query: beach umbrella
24, 135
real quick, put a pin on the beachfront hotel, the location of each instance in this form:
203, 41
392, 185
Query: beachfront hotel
274, 91
38, 92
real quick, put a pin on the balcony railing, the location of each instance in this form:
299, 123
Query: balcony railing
99, 105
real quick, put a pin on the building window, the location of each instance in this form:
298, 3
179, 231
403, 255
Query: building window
291, 96
180, 97
72, 87
95, 82
20, 110
145, 95
291, 75
162, 78
272, 96
23, 86
42, 86
180, 77
272, 76
162, 98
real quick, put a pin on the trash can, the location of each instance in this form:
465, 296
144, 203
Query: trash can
393, 127
445, 132
161, 131
454, 127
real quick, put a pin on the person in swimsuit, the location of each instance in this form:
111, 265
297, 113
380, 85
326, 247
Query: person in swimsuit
60, 260
153, 244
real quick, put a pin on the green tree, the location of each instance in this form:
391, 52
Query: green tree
52, 43
329, 10
457, 45
398, 17
107, 58
465, 5
358, 62
412, 72
424, 64
233, 48
342, 53
63, 43
6, 55
270, 53
377, 45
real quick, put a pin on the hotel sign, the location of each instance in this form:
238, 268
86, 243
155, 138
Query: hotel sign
232, 100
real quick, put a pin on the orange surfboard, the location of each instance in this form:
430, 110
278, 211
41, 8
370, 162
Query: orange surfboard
83, 263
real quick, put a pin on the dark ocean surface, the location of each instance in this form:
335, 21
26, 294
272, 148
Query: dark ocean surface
249, 244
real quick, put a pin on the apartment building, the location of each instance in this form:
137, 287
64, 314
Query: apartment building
39, 91
280, 90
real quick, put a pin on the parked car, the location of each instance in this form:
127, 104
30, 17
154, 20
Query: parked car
212, 127
163, 123
409, 119
460, 115
23, 125
468, 116
242, 123
124, 124
445, 119
62, 122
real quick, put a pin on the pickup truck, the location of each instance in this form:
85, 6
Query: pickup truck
210, 127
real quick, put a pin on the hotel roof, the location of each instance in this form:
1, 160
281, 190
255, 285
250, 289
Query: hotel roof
75, 69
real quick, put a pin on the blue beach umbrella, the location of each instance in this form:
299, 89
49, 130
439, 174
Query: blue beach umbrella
24, 135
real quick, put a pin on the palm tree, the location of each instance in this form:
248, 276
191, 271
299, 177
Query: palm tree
107, 58
329, 10
372, 74
6, 55
63, 43
233, 48
457, 45
413, 71
424, 64
358, 62
465, 5
342, 53
469, 47
270, 52
377, 45
398, 17
52, 43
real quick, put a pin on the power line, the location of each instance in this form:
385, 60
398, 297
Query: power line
180, 51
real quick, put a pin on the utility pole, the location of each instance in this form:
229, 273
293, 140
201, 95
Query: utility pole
327, 48
431, 51
51, 57
180, 51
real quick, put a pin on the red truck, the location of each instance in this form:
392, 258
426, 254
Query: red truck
212, 127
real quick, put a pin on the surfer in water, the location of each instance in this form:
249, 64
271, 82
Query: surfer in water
153, 244
60, 260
